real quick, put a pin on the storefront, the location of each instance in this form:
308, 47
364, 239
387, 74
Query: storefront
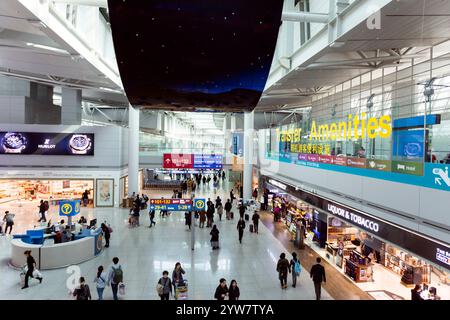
383, 259
52, 190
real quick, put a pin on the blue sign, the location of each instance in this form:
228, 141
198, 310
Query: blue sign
436, 176
171, 207
207, 161
69, 208
408, 145
199, 204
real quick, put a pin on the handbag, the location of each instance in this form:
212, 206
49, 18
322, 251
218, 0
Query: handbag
37, 273
122, 289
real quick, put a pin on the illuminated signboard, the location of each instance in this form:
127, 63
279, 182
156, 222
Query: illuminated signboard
192, 161
26, 143
171, 204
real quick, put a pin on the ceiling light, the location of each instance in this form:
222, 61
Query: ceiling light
110, 90
40, 46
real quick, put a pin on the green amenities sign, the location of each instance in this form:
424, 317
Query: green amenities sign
380, 165
415, 168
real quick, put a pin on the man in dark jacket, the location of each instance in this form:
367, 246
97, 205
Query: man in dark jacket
241, 228
255, 219
222, 290
228, 207
318, 275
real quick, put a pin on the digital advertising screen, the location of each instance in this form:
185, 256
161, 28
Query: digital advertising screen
60, 144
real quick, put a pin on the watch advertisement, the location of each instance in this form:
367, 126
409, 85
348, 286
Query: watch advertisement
79, 144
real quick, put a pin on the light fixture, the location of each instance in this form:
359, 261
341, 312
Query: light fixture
41, 46
110, 90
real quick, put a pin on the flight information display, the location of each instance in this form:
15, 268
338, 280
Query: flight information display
171, 204
192, 161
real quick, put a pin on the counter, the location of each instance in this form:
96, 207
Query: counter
86, 247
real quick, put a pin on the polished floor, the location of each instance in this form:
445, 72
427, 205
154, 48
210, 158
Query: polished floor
145, 252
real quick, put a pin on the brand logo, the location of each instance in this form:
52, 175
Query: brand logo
47, 145
353, 217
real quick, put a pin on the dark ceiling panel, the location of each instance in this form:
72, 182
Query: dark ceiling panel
194, 55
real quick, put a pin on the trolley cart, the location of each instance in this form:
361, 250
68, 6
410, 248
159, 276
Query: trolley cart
181, 292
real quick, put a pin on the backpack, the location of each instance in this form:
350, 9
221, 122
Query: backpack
297, 267
46, 206
82, 293
117, 275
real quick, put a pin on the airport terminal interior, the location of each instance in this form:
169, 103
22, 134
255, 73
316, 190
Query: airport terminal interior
225, 150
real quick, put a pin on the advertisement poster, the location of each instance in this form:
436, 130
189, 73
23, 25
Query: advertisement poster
104, 193
79, 144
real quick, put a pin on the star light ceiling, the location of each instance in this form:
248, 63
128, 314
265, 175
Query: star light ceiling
195, 55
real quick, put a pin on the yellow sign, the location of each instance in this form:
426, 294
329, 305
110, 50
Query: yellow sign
199, 204
66, 209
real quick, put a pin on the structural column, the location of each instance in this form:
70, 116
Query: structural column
249, 121
133, 150
71, 106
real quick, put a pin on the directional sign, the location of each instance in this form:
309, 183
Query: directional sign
171, 204
199, 204
69, 208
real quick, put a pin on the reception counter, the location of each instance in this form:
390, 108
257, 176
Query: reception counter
58, 255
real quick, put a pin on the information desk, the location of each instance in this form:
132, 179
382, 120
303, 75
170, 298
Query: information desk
85, 247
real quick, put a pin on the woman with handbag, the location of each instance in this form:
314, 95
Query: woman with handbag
164, 286
100, 281
32, 270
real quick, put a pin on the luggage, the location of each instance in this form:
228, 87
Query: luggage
247, 217
181, 292
251, 228
232, 215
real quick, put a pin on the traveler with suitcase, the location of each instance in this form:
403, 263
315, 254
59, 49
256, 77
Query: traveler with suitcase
255, 220
241, 228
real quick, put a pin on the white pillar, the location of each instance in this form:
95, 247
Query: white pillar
133, 150
233, 123
70, 106
249, 119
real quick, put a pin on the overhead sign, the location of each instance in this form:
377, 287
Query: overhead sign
69, 208
171, 204
80, 144
192, 161
199, 204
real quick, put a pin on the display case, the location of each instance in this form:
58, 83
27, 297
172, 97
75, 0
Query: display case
357, 267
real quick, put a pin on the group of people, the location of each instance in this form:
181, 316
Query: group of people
112, 277
139, 204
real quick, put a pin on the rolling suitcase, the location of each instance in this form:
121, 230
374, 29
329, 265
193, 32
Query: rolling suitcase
247, 217
232, 215
251, 228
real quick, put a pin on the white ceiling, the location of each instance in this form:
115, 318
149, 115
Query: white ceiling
404, 24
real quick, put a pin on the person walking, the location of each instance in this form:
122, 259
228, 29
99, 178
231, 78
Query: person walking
115, 277
318, 276
42, 212
177, 276
214, 237
202, 218
228, 207
164, 286
85, 198
210, 215
221, 290
31, 264
83, 292
9, 220
241, 228
188, 219
295, 267
255, 194
220, 210
100, 281
233, 292
232, 197
242, 209
151, 214
255, 219
107, 232
283, 269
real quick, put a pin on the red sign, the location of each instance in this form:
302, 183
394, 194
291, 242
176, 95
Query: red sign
170, 201
356, 162
340, 161
178, 161
325, 159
